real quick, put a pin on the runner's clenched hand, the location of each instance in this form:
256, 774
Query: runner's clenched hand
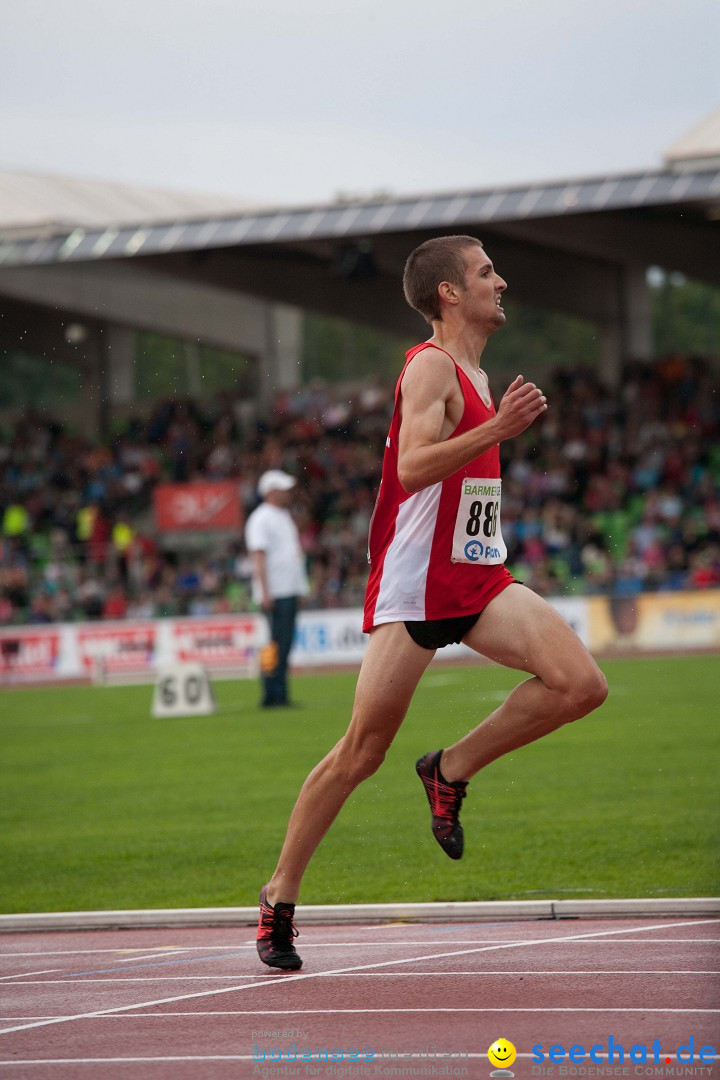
521, 404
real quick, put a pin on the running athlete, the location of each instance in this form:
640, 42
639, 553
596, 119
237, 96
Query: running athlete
437, 575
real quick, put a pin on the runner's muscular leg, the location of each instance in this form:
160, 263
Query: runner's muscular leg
521, 630
390, 672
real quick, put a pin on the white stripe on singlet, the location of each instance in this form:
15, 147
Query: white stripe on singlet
404, 575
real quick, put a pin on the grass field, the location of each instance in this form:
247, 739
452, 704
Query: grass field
104, 807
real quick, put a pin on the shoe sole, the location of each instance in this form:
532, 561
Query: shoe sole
289, 963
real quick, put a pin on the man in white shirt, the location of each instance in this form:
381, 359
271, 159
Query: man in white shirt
279, 578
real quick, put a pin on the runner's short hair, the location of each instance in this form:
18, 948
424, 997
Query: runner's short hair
439, 259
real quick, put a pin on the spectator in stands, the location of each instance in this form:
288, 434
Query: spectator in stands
620, 492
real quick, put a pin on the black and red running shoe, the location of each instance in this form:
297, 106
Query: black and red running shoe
276, 931
445, 799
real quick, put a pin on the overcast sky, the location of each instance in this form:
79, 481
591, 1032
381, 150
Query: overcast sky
286, 103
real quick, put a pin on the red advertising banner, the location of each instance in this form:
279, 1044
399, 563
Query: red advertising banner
35, 654
197, 507
117, 648
231, 643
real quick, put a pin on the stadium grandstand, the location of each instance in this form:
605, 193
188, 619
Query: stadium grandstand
616, 494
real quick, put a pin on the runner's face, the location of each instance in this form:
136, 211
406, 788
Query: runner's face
483, 290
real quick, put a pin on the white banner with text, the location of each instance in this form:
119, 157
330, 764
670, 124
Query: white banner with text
229, 644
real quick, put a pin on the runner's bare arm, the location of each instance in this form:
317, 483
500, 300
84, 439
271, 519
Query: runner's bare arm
425, 456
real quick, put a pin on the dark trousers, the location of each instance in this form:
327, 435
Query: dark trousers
282, 618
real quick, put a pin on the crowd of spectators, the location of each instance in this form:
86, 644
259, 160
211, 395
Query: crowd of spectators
614, 491
618, 491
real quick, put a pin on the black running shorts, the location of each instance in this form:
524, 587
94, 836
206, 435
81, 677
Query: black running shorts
437, 633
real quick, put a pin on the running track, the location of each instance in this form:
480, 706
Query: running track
190, 1004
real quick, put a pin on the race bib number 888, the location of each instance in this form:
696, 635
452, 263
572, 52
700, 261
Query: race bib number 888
478, 536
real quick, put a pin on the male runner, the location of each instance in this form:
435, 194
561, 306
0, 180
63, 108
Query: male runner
437, 575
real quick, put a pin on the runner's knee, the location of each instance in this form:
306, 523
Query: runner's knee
587, 690
357, 761
368, 763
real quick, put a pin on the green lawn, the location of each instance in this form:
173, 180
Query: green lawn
104, 807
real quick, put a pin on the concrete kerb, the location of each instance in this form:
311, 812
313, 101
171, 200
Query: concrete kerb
340, 914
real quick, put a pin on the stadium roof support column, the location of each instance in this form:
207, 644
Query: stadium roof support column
93, 361
627, 333
611, 352
280, 367
119, 343
636, 303
106, 354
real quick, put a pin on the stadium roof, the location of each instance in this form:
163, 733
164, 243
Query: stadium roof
91, 235
37, 203
699, 148
115, 259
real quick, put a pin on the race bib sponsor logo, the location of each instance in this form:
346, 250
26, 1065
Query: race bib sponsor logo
477, 537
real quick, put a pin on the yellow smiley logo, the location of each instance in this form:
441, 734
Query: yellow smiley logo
502, 1053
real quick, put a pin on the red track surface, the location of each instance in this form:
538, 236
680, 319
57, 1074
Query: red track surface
197, 1004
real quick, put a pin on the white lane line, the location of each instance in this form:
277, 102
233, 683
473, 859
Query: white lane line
134, 1060
382, 1009
508, 972
98, 952
250, 944
355, 967
143, 1060
500, 941
121, 980
141, 957
380, 1058
207, 1058
505, 941
22, 974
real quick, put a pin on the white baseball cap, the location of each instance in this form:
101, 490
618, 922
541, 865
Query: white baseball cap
275, 480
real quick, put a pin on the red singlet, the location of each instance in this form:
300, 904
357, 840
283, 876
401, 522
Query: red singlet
413, 573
